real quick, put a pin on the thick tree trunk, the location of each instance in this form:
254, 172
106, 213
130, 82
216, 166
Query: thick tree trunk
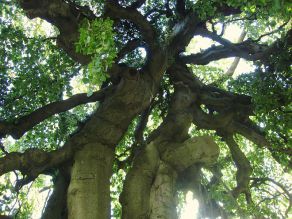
88, 193
135, 198
150, 186
163, 193
89, 190
136, 192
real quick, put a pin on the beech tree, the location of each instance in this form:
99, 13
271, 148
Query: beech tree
127, 107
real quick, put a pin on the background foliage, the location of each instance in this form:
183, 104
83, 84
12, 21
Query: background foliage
35, 72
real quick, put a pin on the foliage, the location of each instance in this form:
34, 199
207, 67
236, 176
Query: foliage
262, 8
14, 203
35, 72
97, 40
271, 92
29, 78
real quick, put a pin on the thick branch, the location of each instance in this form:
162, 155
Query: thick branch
17, 128
137, 4
217, 98
180, 7
232, 110
130, 46
213, 36
34, 161
244, 169
235, 62
207, 121
249, 130
114, 10
183, 33
185, 29
65, 16
168, 150
248, 50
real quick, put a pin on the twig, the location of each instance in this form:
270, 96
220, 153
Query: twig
272, 32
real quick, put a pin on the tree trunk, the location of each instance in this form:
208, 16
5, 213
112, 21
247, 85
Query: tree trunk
56, 206
89, 190
88, 193
163, 193
150, 186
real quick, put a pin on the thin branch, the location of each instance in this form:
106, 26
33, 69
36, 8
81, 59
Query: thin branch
229, 192
138, 137
33, 162
46, 200
138, 133
252, 17
215, 37
43, 38
264, 179
2, 148
272, 32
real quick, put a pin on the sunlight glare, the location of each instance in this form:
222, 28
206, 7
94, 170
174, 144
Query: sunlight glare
190, 207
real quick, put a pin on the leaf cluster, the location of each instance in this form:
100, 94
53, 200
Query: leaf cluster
97, 40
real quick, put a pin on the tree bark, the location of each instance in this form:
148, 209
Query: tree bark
88, 193
163, 193
150, 186
56, 206
236, 60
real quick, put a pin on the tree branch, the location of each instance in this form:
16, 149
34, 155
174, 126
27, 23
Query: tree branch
34, 161
129, 47
264, 179
249, 131
181, 7
183, 32
114, 10
137, 4
20, 126
185, 29
243, 166
66, 17
56, 206
204, 32
218, 99
235, 62
211, 122
248, 50
272, 32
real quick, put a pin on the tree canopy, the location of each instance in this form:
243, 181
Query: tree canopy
119, 108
